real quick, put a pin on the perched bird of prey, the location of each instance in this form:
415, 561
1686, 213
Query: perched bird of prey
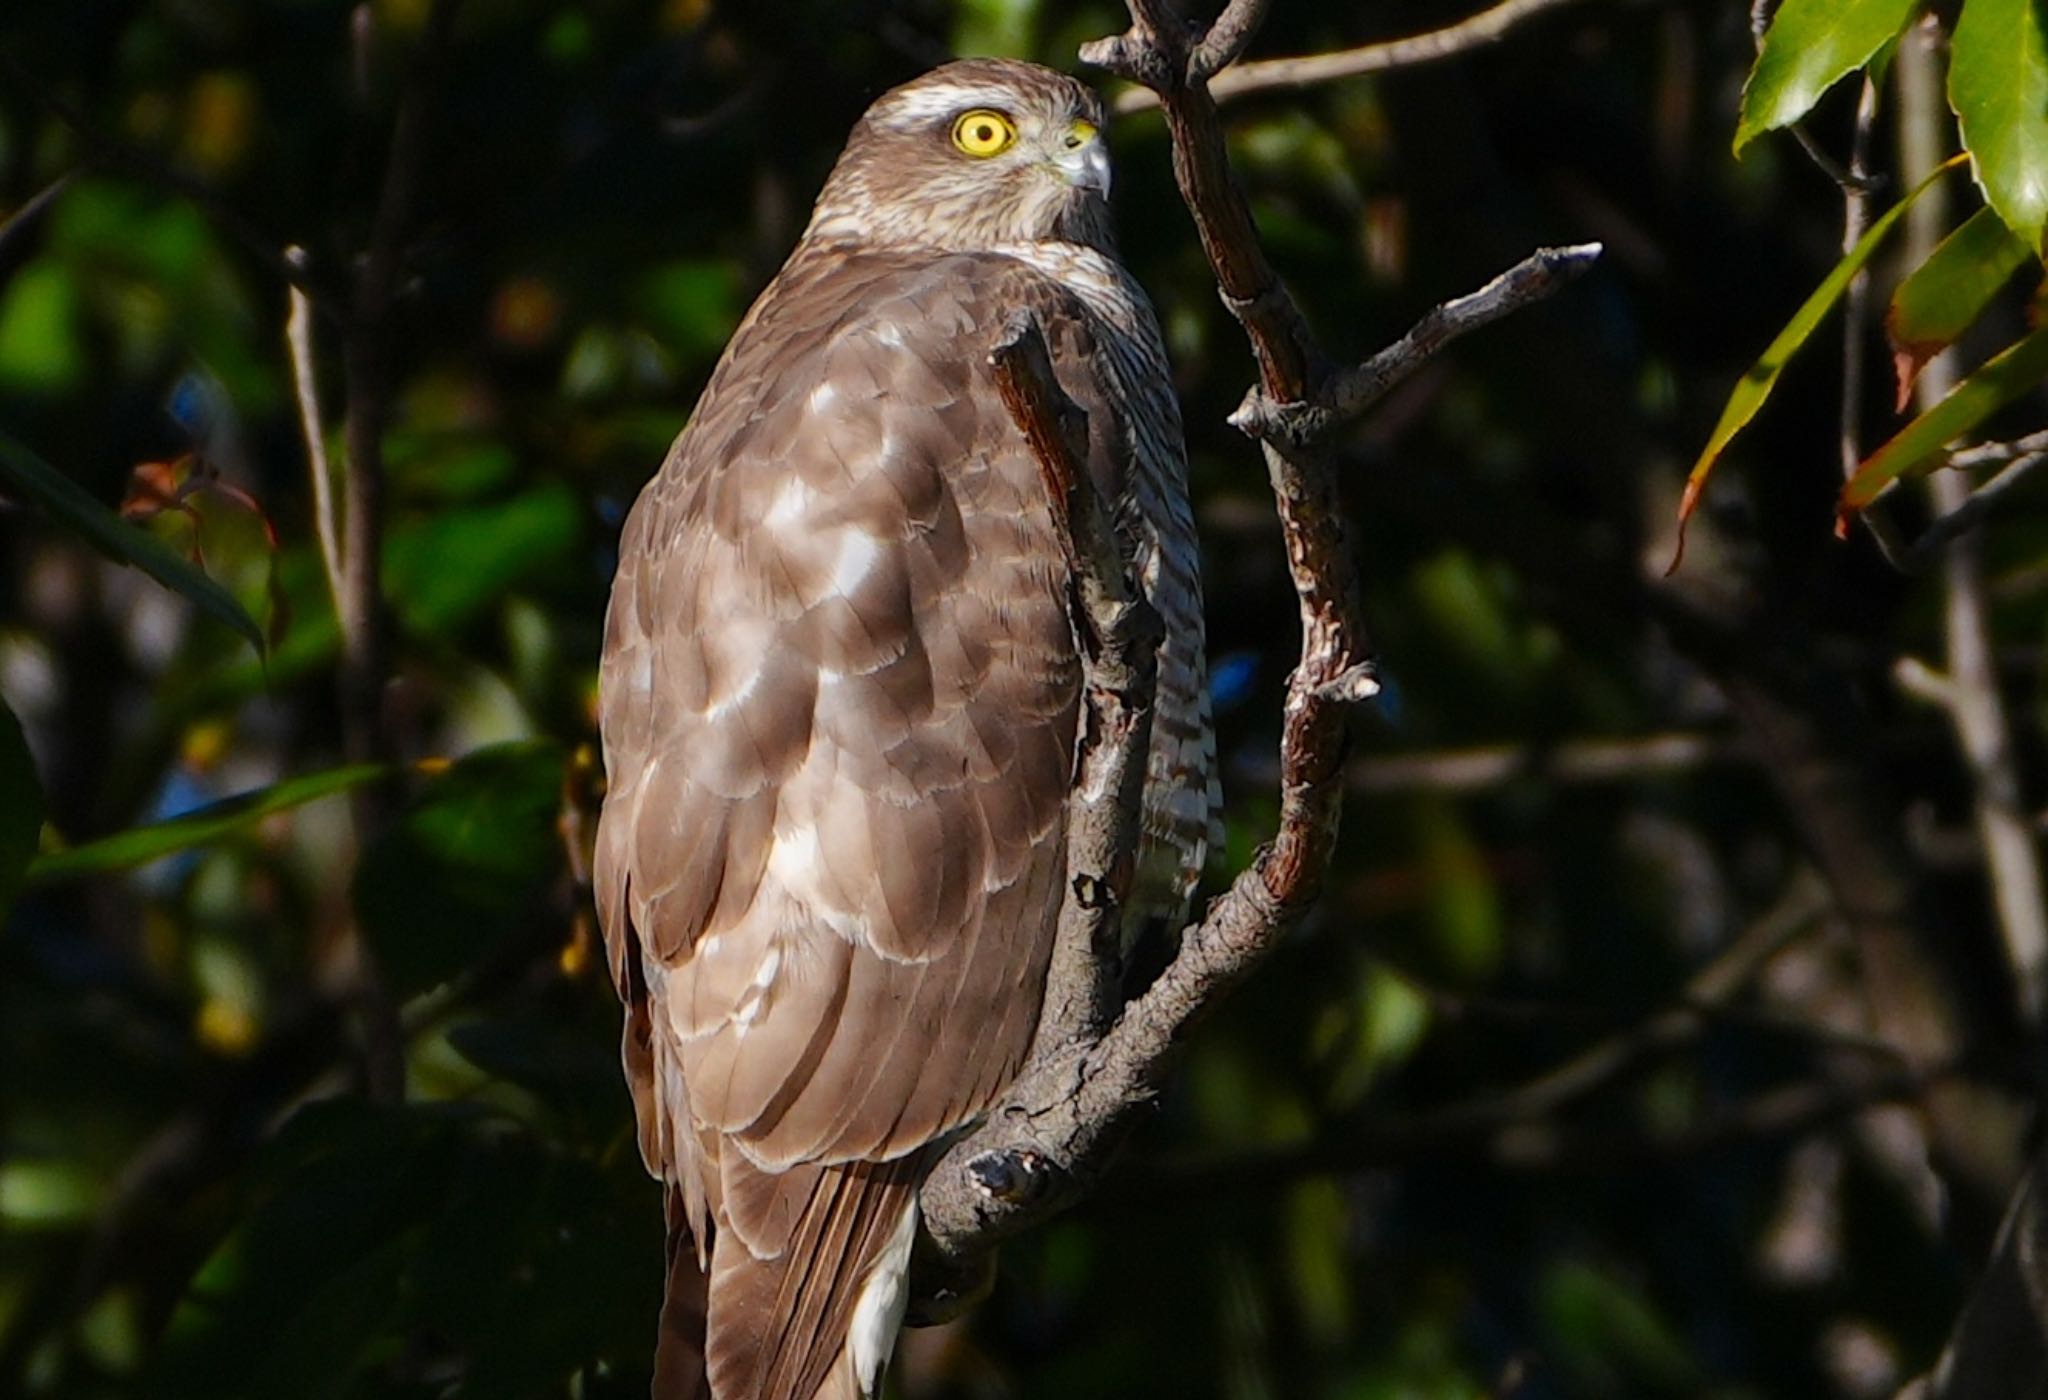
840, 692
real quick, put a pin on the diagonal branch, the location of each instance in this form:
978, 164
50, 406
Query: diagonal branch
1971, 511
1350, 392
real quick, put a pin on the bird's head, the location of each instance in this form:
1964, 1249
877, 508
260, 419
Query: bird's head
979, 152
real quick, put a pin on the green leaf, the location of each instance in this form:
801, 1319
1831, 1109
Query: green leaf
1756, 385
140, 845
1996, 383
21, 808
1941, 298
114, 537
1809, 47
440, 573
462, 871
1998, 84
41, 350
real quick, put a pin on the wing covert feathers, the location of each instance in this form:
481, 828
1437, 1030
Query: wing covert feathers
838, 700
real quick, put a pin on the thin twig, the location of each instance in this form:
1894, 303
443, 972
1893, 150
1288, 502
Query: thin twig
1974, 509
1706, 991
1856, 313
1351, 391
1485, 766
22, 220
1543, 1145
1480, 31
298, 334
1990, 454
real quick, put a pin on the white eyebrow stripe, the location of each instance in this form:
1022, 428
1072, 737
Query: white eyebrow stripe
914, 108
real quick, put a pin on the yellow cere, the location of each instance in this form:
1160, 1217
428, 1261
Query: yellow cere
1080, 134
984, 133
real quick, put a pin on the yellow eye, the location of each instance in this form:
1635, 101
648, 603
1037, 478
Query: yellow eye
984, 133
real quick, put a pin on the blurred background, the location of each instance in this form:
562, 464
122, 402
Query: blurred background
1655, 1036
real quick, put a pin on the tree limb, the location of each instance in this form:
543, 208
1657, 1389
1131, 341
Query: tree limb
1350, 392
1972, 510
1049, 1140
1983, 728
1121, 634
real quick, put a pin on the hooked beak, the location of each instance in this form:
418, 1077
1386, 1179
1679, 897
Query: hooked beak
1083, 160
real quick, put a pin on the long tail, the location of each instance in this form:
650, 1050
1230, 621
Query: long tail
809, 1270
679, 1371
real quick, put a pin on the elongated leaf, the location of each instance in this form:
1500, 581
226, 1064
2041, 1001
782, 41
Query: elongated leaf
142, 844
1995, 384
1946, 293
21, 808
71, 505
1998, 84
1809, 47
1756, 385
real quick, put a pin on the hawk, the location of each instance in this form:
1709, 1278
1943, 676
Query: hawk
839, 700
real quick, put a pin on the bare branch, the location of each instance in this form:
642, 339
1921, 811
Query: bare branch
1971, 511
1050, 1138
365, 358
22, 220
1855, 185
1706, 991
1982, 725
1352, 391
1121, 633
298, 334
1227, 38
1482, 30
1988, 454
1574, 761
1542, 1145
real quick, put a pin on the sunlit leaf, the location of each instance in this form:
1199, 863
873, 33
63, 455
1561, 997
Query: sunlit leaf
1998, 84
460, 873
140, 845
1810, 46
41, 350
21, 808
1946, 293
1995, 384
71, 505
1756, 386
